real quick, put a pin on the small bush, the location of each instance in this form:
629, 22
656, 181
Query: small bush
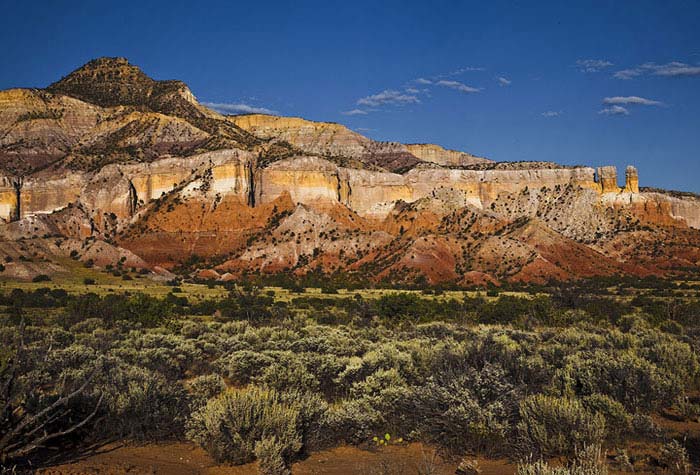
622, 461
41, 278
270, 454
288, 373
540, 467
464, 410
618, 422
551, 426
633, 381
351, 421
142, 404
588, 461
689, 410
644, 425
203, 388
230, 425
674, 457
244, 365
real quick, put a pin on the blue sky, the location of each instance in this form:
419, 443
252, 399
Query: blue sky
574, 82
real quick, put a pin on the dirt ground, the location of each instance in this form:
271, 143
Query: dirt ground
183, 458
186, 459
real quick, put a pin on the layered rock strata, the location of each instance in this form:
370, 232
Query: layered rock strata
109, 154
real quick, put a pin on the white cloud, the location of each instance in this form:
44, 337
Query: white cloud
463, 70
672, 69
628, 73
614, 110
414, 90
551, 113
592, 65
388, 97
616, 104
503, 81
457, 86
676, 69
631, 100
235, 109
355, 112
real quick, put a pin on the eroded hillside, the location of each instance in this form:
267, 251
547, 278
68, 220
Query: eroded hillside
108, 154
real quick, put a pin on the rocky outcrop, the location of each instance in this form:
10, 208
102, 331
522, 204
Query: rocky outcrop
109, 111
306, 179
123, 189
329, 140
112, 155
607, 177
37, 128
374, 193
321, 138
110, 82
451, 158
631, 180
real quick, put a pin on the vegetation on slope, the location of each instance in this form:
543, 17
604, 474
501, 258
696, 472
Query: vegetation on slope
250, 377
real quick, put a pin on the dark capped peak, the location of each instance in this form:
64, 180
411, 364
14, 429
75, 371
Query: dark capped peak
110, 82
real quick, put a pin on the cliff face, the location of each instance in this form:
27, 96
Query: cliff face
111, 154
374, 193
436, 154
124, 189
108, 111
329, 140
37, 128
322, 138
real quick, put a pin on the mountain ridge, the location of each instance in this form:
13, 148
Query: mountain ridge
109, 154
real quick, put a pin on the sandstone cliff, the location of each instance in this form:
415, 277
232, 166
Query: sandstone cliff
109, 154
329, 140
436, 154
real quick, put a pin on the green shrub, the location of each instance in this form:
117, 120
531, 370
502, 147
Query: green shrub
618, 422
351, 421
312, 408
142, 404
633, 381
139, 308
644, 425
230, 425
270, 454
288, 373
244, 365
675, 359
674, 457
375, 383
205, 387
689, 410
540, 467
460, 410
588, 461
557, 426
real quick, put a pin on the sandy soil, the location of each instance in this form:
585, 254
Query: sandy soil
185, 459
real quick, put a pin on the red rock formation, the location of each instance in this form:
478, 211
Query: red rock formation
111, 154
